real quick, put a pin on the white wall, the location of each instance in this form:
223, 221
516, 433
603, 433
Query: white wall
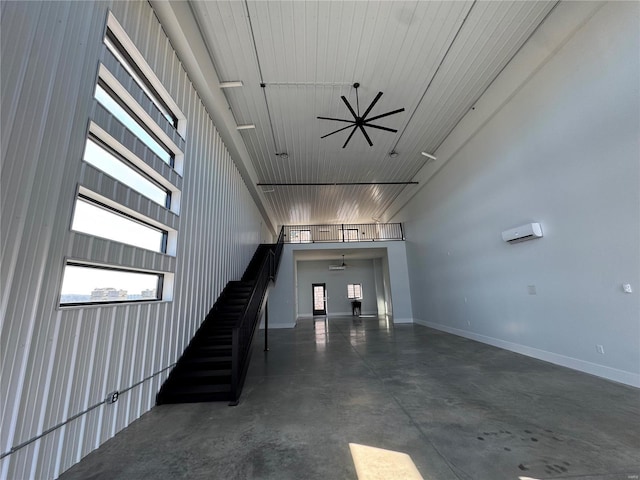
282, 297
358, 271
563, 151
378, 276
57, 363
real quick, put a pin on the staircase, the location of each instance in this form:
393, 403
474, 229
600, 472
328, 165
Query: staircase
209, 369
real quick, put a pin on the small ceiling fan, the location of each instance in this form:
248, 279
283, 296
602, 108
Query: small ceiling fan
338, 267
361, 121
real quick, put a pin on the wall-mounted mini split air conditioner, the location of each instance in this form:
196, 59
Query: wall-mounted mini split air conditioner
337, 267
522, 233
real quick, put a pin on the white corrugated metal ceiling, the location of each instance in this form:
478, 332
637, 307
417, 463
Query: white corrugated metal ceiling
432, 58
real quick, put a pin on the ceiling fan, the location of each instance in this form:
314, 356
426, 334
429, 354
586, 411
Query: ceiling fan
361, 121
338, 267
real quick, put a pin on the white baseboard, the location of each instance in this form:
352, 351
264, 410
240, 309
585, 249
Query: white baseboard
403, 320
337, 314
621, 376
279, 325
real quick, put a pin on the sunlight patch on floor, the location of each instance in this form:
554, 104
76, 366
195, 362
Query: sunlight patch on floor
379, 464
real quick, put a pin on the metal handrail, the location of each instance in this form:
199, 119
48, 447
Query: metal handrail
343, 232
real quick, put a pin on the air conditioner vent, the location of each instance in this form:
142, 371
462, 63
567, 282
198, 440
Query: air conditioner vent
522, 233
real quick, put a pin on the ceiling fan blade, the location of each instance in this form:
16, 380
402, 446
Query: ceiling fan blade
380, 128
375, 100
336, 131
346, 102
366, 136
384, 115
336, 119
350, 135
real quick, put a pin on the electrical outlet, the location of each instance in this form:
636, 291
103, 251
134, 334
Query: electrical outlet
600, 349
532, 290
113, 397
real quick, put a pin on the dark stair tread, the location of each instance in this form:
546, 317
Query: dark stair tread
226, 372
204, 352
214, 348
220, 331
214, 338
191, 389
207, 359
209, 393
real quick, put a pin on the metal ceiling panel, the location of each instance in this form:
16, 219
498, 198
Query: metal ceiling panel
432, 58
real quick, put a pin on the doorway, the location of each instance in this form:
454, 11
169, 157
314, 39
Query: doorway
319, 298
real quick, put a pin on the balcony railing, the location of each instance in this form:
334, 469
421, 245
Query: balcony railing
371, 232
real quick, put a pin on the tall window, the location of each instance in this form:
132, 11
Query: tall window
131, 213
300, 236
103, 221
350, 235
83, 284
124, 57
118, 108
354, 291
99, 155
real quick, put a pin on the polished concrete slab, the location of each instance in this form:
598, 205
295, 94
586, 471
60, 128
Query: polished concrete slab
460, 409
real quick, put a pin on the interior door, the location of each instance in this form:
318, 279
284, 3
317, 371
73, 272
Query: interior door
319, 299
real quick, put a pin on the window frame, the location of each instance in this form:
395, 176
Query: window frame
72, 263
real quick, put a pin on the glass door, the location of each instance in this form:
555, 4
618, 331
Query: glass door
319, 299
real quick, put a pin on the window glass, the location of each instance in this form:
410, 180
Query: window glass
350, 235
103, 160
95, 219
90, 284
108, 102
300, 236
354, 290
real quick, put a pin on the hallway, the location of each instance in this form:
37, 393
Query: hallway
459, 408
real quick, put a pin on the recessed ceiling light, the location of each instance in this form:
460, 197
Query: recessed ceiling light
230, 84
428, 155
282, 155
393, 154
245, 127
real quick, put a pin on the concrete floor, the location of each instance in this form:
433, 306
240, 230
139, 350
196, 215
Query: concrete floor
460, 409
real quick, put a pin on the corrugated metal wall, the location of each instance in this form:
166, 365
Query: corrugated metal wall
58, 363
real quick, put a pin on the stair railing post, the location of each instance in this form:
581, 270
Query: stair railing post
266, 326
